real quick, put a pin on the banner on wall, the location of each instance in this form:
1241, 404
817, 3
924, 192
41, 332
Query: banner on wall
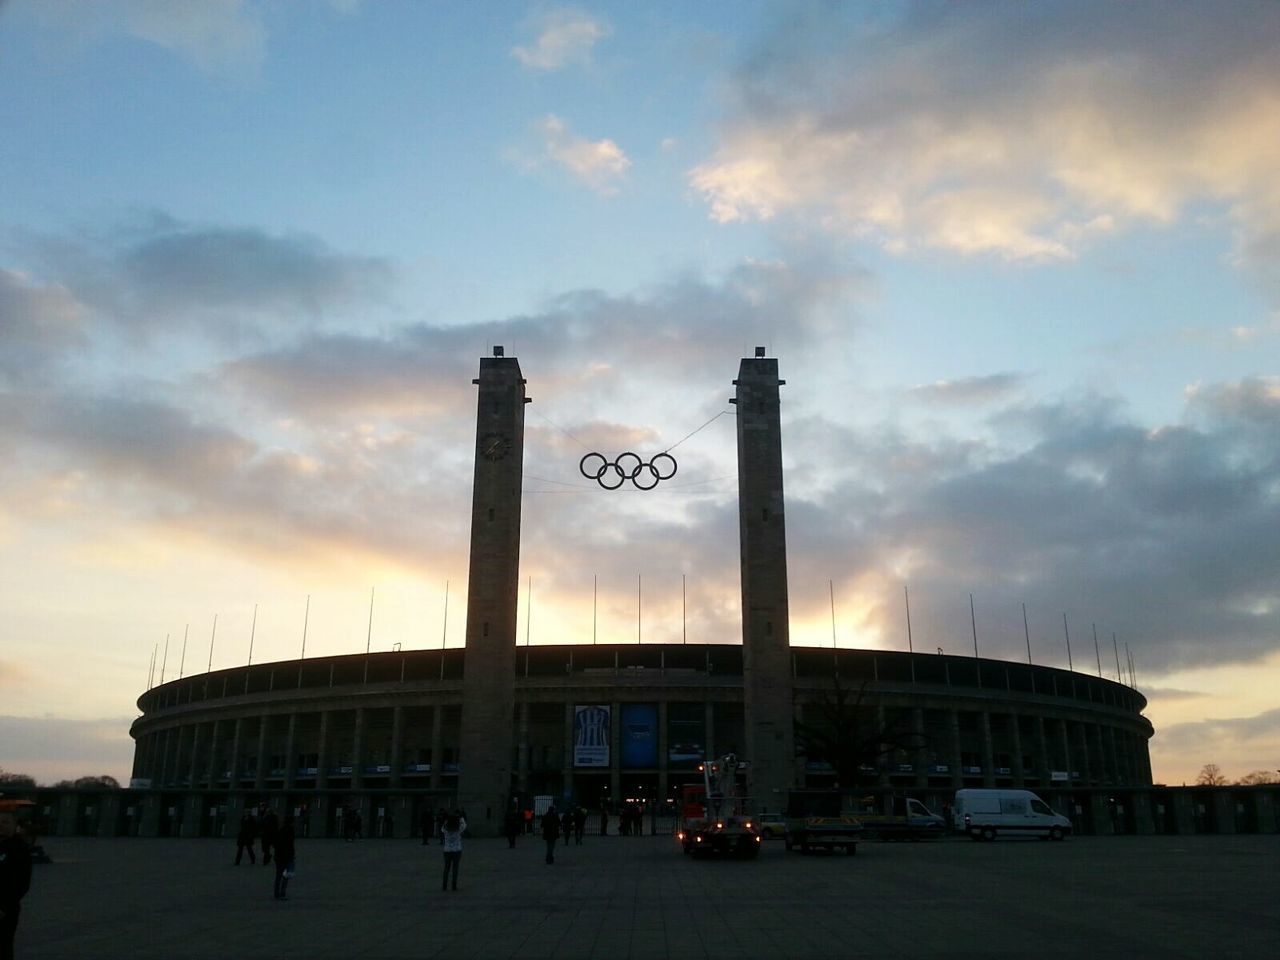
591, 736
639, 735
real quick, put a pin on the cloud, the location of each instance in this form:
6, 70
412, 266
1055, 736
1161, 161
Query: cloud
1237, 744
980, 131
38, 327
564, 37
670, 330
599, 164
970, 390
160, 272
81, 747
218, 36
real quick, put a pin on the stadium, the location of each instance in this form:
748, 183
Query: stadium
394, 735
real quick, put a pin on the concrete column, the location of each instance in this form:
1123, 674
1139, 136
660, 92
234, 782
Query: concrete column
488, 683
149, 825
322, 753
566, 755
919, 759
1042, 750
1106, 775
180, 761
1100, 814
1184, 821
260, 773
1066, 749
397, 747
1224, 811
357, 752
108, 814
1083, 758
1143, 824
663, 750
1015, 744
163, 768
522, 746
957, 770
233, 781
437, 745
709, 732
766, 645
213, 754
1115, 756
193, 815
291, 753
615, 751
988, 752
1264, 810
194, 760
882, 774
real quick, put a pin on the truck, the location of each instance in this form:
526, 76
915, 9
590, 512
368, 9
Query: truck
983, 814
714, 817
897, 817
821, 819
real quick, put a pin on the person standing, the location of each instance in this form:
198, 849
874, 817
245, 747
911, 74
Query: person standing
512, 826
604, 821
551, 831
269, 827
579, 824
15, 880
451, 838
244, 838
286, 859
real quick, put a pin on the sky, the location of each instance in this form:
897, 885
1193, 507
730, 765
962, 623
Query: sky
1019, 265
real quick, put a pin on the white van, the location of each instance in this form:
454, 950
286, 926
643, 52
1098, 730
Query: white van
984, 813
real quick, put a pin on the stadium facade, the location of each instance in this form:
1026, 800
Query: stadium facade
397, 734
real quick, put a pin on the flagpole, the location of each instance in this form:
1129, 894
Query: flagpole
1026, 631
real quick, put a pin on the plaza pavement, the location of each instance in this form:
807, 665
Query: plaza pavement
621, 897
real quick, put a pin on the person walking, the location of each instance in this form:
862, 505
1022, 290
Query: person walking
286, 859
604, 822
579, 824
269, 827
245, 836
451, 837
15, 880
551, 831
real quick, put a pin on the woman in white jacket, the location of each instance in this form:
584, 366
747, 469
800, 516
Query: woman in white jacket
451, 834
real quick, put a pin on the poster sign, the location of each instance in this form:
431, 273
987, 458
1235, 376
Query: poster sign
639, 735
591, 736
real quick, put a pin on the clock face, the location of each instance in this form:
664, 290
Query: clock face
495, 446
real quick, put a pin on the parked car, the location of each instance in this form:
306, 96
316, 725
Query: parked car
772, 825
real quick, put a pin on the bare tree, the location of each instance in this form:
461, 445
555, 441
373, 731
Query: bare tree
851, 736
1259, 776
1211, 775
15, 781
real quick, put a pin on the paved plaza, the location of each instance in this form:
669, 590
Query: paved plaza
620, 897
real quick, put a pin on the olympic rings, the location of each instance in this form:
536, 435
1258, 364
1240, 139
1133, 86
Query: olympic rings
644, 475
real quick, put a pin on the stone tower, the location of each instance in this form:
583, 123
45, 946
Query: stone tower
766, 639
488, 686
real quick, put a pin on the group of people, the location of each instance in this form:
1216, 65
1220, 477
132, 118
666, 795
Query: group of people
275, 837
